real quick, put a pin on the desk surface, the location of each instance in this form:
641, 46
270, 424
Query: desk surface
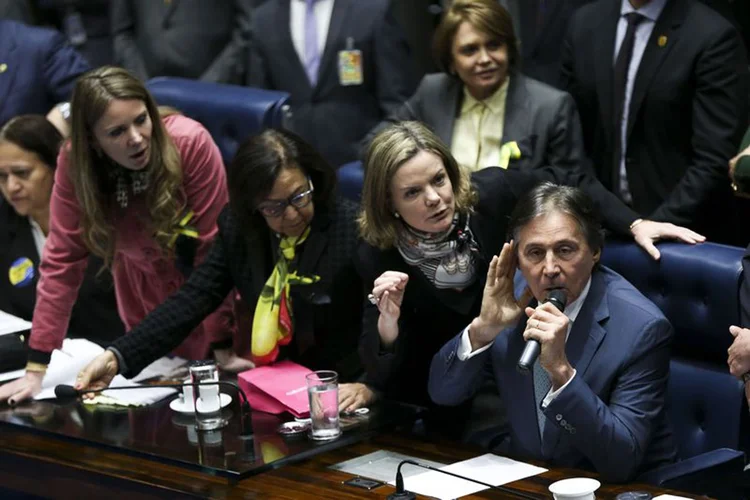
48, 465
157, 432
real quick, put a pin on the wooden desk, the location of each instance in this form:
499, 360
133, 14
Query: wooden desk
50, 466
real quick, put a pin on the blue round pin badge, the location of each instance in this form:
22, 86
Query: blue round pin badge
21, 272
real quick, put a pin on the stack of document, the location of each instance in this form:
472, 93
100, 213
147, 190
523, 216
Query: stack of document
74, 355
12, 324
382, 465
488, 468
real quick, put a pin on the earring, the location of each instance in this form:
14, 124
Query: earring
396, 215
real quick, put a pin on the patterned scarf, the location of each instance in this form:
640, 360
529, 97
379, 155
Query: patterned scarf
138, 180
446, 259
273, 320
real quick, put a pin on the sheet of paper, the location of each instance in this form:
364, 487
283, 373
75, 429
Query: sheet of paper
12, 324
487, 468
494, 470
436, 485
12, 375
163, 367
381, 465
73, 357
65, 364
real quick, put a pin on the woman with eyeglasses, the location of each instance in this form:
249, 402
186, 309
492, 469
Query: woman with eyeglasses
287, 243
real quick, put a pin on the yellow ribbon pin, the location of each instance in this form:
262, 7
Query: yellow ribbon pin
509, 151
184, 228
3, 68
662, 41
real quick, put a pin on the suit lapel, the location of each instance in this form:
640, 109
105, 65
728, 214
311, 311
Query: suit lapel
667, 30
288, 52
605, 35
449, 108
516, 110
584, 340
315, 245
20, 243
328, 62
519, 388
168, 9
8, 62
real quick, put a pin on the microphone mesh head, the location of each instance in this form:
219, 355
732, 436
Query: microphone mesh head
559, 298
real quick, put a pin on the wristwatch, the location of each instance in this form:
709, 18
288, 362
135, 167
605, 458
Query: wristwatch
64, 108
746, 377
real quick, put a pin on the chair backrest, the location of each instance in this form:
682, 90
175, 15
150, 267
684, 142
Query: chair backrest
350, 179
697, 289
231, 113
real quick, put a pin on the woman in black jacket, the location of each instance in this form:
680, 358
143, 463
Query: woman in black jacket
287, 243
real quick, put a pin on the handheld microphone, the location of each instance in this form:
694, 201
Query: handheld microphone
402, 494
63, 391
558, 298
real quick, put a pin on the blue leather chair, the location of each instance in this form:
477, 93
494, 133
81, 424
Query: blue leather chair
697, 288
350, 178
230, 113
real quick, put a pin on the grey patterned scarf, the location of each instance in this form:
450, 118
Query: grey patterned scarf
447, 259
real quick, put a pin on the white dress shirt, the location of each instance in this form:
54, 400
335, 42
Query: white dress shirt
571, 311
39, 237
297, 14
650, 12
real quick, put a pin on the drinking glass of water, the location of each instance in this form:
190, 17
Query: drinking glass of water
323, 393
206, 398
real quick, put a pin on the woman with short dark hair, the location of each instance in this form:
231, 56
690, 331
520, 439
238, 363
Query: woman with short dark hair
482, 105
286, 242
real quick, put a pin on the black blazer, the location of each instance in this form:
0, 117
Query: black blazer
327, 314
687, 113
431, 317
541, 119
94, 315
333, 117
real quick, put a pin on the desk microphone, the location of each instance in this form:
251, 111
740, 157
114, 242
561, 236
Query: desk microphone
402, 494
558, 298
63, 391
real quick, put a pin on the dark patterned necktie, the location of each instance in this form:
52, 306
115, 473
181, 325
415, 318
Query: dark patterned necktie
622, 65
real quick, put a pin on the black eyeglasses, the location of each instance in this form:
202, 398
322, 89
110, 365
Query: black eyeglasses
275, 208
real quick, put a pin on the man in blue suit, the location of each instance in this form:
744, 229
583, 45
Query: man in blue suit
38, 69
595, 397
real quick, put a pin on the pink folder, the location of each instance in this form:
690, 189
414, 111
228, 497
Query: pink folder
277, 388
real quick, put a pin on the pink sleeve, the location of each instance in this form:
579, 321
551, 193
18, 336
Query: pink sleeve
62, 265
205, 185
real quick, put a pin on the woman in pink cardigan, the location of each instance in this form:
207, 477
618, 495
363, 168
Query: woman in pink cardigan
141, 191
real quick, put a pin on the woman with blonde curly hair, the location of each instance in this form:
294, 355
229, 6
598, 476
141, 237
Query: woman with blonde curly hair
142, 192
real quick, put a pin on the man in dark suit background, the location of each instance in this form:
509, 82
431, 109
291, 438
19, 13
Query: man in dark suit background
660, 122
186, 38
541, 27
38, 69
344, 62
